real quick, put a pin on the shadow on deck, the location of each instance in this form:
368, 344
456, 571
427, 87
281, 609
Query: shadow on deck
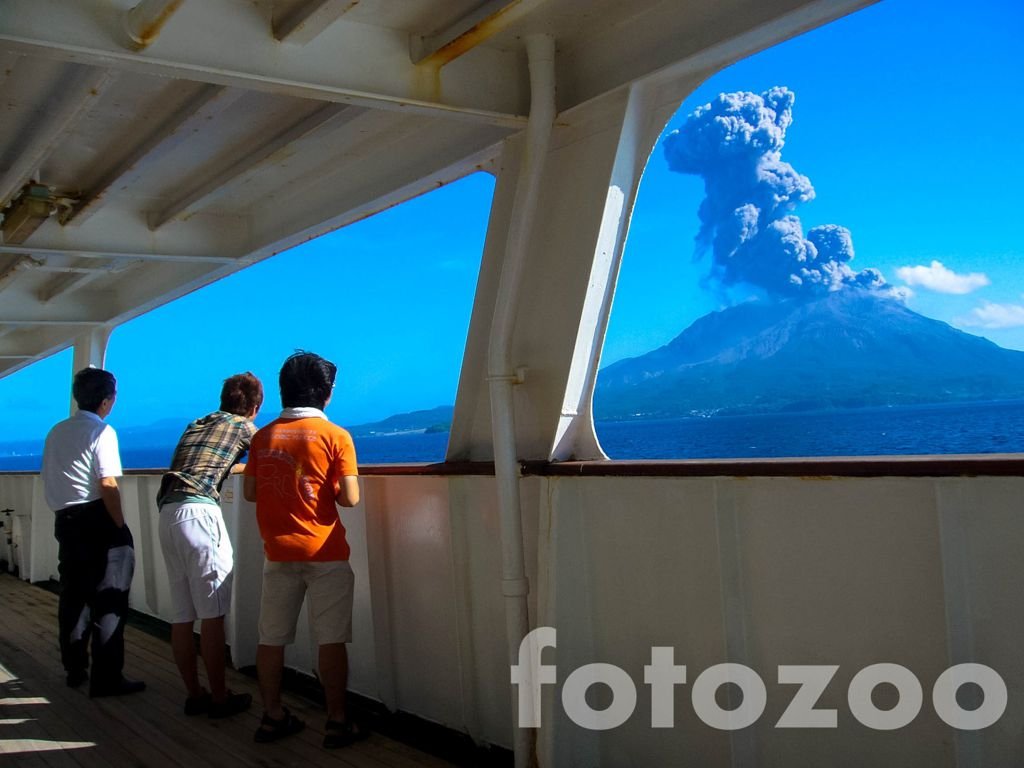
45, 723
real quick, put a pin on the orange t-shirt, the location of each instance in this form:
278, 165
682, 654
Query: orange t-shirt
297, 464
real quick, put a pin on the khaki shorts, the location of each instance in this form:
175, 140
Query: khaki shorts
328, 585
199, 560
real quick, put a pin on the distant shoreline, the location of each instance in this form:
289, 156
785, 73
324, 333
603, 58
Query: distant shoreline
741, 412
983, 426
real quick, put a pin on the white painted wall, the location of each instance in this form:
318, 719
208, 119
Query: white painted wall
766, 571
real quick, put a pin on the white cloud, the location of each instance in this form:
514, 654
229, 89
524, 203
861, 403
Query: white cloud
993, 316
937, 277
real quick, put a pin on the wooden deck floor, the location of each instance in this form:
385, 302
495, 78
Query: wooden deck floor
45, 723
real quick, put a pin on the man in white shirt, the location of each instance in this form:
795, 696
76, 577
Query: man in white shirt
81, 464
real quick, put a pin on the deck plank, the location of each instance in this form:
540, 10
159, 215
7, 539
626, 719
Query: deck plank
147, 729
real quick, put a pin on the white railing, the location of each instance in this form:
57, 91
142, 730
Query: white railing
922, 572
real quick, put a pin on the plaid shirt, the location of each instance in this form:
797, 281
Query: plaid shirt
207, 450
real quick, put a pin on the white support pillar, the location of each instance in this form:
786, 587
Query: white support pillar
90, 350
590, 181
641, 123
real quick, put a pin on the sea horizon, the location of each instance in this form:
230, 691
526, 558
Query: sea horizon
978, 427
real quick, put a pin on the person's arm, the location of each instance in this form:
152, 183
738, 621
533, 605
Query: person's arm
111, 496
108, 467
347, 492
250, 469
244, 444
249, 488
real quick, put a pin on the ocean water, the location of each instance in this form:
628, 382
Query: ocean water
996, 427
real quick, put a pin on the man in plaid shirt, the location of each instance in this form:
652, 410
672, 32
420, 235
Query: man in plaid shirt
195, 543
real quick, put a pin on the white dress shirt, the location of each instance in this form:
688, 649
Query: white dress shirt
79, 452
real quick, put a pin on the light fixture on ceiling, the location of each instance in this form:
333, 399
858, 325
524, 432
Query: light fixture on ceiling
28, 209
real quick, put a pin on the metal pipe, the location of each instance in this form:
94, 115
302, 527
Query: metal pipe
502, 377
143, 23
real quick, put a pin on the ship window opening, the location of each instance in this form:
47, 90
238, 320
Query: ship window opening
820, 265
387, 299
32, 400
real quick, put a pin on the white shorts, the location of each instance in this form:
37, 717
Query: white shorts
329, 586
199, 560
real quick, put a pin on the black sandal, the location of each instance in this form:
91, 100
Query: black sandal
233, 704
273, 730
339, 734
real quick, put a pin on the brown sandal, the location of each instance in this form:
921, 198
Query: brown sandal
273, 730
339, 734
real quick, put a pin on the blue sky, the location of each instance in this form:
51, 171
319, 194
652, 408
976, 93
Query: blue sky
907, 121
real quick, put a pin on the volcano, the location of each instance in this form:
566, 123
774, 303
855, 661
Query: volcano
851, 348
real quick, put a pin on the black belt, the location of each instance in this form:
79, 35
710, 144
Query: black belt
76, 510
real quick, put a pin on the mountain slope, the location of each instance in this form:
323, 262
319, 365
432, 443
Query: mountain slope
848, 349
433, 420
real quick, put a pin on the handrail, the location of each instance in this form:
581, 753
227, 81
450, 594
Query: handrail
935, 465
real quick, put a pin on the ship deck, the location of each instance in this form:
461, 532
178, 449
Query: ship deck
45, 723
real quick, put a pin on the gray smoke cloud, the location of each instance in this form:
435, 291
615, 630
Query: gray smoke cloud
735, 144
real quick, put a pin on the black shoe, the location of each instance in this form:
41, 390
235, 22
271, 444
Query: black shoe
76, 677
232, 705
120, 687
198, 705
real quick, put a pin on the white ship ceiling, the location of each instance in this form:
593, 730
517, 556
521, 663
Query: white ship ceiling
131, 174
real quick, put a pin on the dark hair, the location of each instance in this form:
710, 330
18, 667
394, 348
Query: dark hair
91, 387
306, 380
241, 394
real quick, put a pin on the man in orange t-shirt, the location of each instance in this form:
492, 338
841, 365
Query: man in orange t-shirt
300, 466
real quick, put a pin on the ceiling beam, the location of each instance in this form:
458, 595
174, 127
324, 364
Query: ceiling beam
27, 263
31, 343
309, 19
662, 49
199, 111
8, 62
107, 269
65, 284
329, 203
17, 322
22, 264
471, 30
231, 168
228, 44
143, 256
69, 101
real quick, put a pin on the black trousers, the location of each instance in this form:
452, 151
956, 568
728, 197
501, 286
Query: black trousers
96, 564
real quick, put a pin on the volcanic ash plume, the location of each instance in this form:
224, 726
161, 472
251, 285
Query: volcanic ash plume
735, 144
